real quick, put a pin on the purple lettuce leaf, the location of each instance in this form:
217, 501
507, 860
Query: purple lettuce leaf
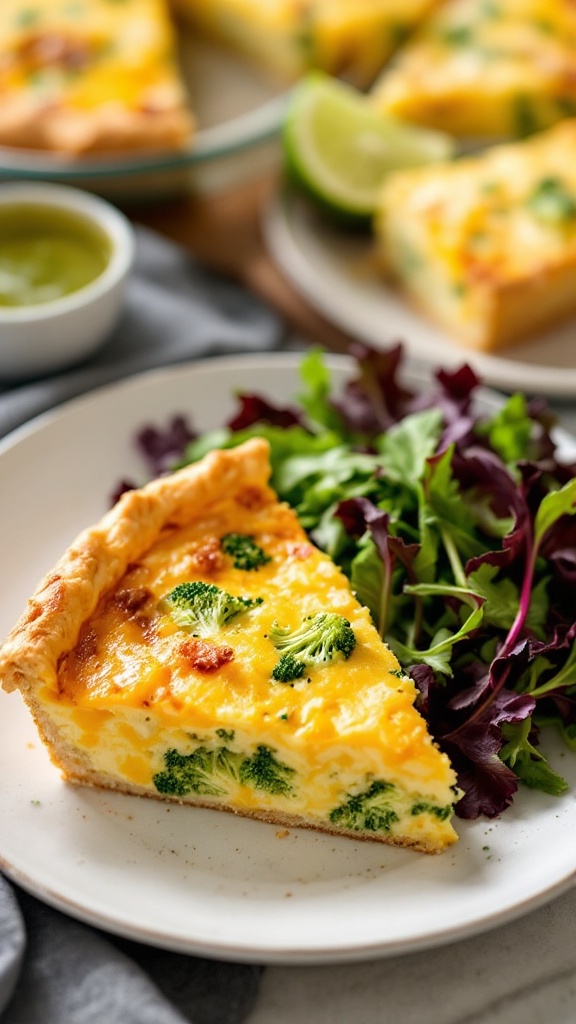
163, 447
255, 409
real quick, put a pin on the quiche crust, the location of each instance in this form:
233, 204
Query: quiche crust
58, 128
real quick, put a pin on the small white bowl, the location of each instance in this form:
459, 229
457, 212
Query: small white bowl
48, 336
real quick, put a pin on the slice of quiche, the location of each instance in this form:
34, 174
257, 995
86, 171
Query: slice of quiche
90, 76
194, 646
351, 37
487, 68
487, 245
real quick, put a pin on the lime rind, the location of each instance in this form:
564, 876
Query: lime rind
339, 148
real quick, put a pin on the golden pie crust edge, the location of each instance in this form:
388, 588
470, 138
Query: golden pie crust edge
97, 559
27, 124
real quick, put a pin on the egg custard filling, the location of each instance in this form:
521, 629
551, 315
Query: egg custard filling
195, 646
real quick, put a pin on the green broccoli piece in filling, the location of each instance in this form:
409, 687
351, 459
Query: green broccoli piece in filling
320, 638
423, 807
209, 772
244, 551
204, 608
204, 772
288, 668
263, 771
367, 812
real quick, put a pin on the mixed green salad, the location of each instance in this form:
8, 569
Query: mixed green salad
456, 528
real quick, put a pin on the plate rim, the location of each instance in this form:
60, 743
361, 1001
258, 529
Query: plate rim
159, 377
290, 956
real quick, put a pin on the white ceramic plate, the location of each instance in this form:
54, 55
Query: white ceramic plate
238, 111
336, 271
200, 881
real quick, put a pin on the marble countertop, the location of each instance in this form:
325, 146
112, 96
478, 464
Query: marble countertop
523, 973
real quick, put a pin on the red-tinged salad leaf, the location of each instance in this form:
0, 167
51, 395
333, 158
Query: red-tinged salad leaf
162, 447
457, 528
256, 409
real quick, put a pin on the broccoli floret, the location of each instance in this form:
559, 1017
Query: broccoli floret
323, 637
423, 807
263, 771
198, 772
209, 772
204, 608
245, 552
369, 811
288, 668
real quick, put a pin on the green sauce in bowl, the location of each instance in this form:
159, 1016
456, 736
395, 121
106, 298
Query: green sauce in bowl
46, 253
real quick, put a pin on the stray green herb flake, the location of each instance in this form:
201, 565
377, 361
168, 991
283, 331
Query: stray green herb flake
27, 17
456, 35
398, 32
491, 10
525, 120
398, 673
566, 105
552, 201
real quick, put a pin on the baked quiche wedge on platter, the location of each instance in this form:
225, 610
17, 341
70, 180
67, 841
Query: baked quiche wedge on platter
188, 878
195, 646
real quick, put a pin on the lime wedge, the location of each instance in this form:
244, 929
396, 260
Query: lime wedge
339, 148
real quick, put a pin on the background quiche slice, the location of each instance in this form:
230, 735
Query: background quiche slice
351, 37
486, 246
82, 76
194, 646
486, 68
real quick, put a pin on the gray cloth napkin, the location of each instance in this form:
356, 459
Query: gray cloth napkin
54, 970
